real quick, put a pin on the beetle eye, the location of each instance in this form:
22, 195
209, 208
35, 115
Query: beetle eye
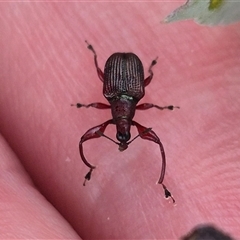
123, 137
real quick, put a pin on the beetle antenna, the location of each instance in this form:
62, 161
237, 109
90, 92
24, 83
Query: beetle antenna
140, 134
101, 134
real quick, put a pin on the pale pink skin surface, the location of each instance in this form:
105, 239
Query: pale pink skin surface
46, 66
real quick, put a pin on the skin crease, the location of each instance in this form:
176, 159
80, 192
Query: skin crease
46, 66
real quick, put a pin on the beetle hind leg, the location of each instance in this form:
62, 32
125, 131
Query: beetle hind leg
99, 71
149, 78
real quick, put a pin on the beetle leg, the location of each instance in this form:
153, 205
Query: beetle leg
148, 134
90, 134
145, 106
99, 71
149, 78
95, 105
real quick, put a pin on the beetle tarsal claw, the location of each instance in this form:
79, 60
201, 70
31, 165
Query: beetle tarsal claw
167, 193
87, 177
78, 105
171, 107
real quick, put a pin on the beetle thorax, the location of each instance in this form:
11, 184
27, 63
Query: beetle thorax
123, 107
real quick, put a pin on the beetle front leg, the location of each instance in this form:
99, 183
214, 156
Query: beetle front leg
148, 134
97, 105
145, 106
94, 132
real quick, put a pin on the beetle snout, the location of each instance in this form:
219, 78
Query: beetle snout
123, 137
122, 147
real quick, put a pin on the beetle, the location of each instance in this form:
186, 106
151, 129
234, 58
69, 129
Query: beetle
123, 87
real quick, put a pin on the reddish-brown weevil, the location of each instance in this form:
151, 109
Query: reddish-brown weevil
123, 87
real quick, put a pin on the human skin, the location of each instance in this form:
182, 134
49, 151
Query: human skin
46, 66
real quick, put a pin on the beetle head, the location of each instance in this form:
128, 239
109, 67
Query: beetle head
123, 133
123, 139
